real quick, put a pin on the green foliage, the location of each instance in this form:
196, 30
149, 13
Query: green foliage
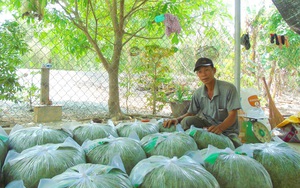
156, 73
12, 46
266, 58
182, 93
30, 92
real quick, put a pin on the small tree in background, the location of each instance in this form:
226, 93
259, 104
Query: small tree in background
12, 47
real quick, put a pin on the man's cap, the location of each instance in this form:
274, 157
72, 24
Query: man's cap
203, 62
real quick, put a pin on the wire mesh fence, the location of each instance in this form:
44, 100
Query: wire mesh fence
80, 84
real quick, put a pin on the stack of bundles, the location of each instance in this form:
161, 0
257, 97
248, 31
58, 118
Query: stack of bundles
140, 128
281, 161
234, 170
204, 138
88, 176
22, 138
41, 161
92, 131
164, 172
168, 144
106, 150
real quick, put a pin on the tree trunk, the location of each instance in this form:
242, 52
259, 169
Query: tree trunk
113, 75
114, 100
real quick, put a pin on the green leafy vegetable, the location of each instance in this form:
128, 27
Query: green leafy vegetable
101, 151
164, 172
204, 138
168, 144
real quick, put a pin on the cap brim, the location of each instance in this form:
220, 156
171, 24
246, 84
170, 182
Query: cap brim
202, 65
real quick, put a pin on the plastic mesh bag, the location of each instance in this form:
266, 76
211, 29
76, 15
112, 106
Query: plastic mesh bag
164, 172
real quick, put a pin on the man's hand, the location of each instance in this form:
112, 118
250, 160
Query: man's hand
168, 123
215, 129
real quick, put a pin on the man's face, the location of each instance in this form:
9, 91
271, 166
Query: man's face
206, 74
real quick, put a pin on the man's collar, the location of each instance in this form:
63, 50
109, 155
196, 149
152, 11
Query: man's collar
216, 90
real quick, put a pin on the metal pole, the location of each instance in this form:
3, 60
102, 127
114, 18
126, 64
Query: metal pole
237, 50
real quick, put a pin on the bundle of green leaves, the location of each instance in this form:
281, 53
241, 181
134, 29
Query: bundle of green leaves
204, 138
164, 172
24, 138
234, 170
89, 175
168, 144
93, 131
140, 128
161, 128
102, 151
3, 146
282, 163
41, 161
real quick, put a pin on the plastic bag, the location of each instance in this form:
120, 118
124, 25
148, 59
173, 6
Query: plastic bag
168, 144
233, 170
164, 172
89, 176
21, 138
92, 131
288, 133
102, 151
280, 160
41, 161
141, 128
204, 138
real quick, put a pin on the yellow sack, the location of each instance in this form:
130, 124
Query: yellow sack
291, 119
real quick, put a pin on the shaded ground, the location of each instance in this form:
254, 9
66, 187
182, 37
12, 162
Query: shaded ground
78, 91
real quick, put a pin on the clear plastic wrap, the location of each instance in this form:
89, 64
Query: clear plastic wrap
288, 133
88, 176
204, 138
41, 161
281, 162
3, 145
140, 128
21, 138
102, 151
233, 170
92, 131
3, 149
164, 172
168, 144
161, 128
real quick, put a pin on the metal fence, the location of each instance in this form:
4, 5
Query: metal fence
80, 86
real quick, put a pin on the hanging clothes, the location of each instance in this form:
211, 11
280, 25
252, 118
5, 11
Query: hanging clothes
245, 41
280, 40
171, 24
